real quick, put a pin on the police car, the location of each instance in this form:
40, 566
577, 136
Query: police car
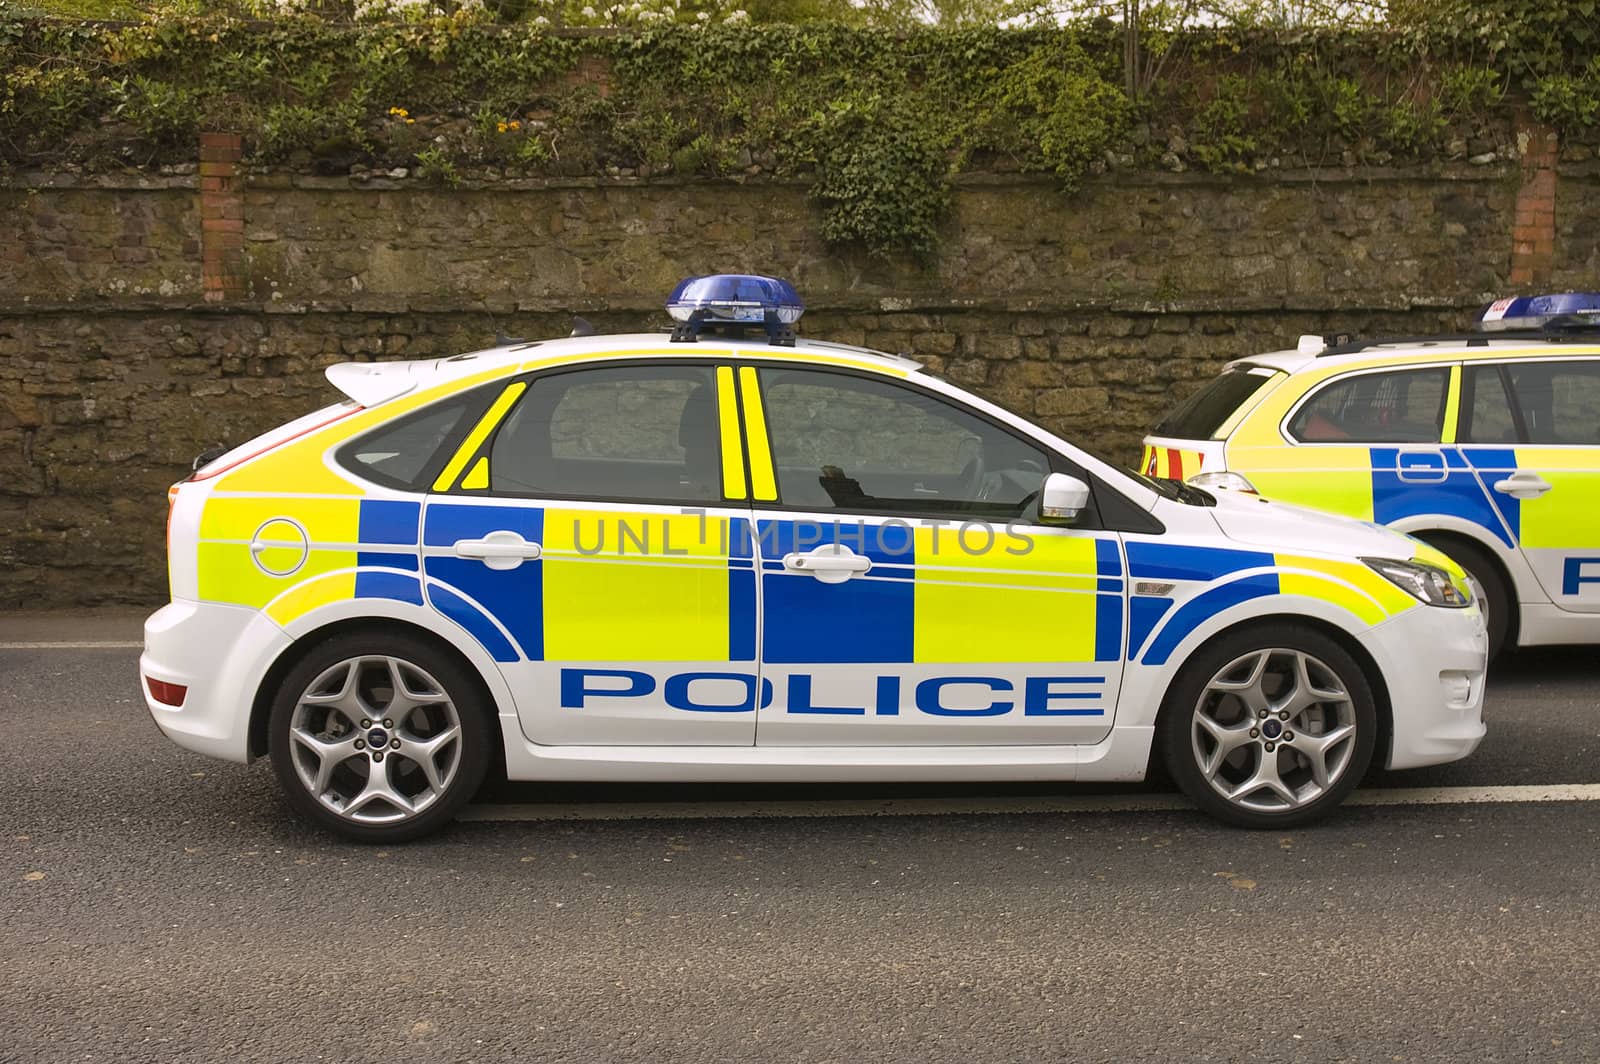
1484, 444
730, 554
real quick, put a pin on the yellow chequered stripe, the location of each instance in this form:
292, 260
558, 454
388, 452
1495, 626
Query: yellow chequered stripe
676, 604
1044, 612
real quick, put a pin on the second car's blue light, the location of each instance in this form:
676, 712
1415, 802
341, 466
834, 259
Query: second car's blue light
1526, 312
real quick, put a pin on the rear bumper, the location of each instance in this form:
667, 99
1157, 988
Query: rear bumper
1434, 661
219, 654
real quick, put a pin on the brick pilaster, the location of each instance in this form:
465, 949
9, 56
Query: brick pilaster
1533, 237
221, 217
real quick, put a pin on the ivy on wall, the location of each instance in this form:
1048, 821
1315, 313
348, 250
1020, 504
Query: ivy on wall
877, 122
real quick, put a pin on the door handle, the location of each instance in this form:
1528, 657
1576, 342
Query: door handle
499, 549
832, 563
1522, 486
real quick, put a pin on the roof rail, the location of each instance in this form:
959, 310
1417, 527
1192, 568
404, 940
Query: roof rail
1556, 330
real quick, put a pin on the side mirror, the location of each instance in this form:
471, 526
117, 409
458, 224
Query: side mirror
1062, 498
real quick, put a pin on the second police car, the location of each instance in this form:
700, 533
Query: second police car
1485, 444
734, 555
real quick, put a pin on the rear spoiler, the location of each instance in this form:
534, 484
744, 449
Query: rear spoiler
371, 383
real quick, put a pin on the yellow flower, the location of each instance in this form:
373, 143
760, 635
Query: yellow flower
411, 121
501, 126
399, 112
516, 125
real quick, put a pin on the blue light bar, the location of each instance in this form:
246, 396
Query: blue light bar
735, 299
1532, 312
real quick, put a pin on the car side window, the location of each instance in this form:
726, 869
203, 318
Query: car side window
1405, 406
1487, 407
633, 433
1559, 401
406, 451
842, 442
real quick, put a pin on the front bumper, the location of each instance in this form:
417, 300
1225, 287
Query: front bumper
219, 653
1434, 661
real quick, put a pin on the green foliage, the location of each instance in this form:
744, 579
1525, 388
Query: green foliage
435, 165
1569, 101
1053, 109
877, 122
879, 175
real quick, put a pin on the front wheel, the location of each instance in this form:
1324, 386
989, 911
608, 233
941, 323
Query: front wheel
1269, 727
379, 738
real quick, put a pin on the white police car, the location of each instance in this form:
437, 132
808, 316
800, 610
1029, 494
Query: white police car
1485, 444
730, 554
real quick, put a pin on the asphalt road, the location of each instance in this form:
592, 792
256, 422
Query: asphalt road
158, 906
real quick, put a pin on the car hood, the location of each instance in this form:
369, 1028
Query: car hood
1283, 526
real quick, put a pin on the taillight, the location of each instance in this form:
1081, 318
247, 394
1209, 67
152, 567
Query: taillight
172, 500
168, 694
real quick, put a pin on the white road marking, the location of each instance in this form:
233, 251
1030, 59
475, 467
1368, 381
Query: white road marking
107, 644
1121, 803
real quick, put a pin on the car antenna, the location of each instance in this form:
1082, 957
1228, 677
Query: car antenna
581, 326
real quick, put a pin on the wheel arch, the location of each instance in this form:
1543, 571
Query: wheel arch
304, 644
1370, 671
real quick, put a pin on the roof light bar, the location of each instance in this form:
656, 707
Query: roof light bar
735, 301
1577, 310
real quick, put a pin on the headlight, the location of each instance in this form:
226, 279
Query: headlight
1226, 481
1428, 583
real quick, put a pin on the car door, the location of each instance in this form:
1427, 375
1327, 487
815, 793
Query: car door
592, 531
1548, 484
908, 595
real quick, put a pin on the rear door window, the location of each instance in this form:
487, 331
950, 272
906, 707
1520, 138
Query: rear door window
1487, 416
1559, 401
638, 433
1404, 406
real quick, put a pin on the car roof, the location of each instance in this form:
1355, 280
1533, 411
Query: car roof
1410, 351
371, 383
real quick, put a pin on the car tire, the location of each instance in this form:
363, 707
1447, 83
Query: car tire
356, 693
1497, 604
1289, 767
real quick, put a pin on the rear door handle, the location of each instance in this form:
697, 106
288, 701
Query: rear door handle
1522, 486
500, 549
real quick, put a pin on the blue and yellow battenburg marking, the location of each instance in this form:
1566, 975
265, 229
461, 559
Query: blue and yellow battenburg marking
1232, 577
931, 597
1392, 484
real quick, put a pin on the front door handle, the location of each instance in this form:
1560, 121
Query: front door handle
1522, 486
499, 549
832, 563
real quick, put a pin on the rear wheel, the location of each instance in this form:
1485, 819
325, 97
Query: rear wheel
1268, 728
1498, 609
379, 738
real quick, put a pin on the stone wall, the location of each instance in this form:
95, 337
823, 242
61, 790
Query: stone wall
1092, 312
